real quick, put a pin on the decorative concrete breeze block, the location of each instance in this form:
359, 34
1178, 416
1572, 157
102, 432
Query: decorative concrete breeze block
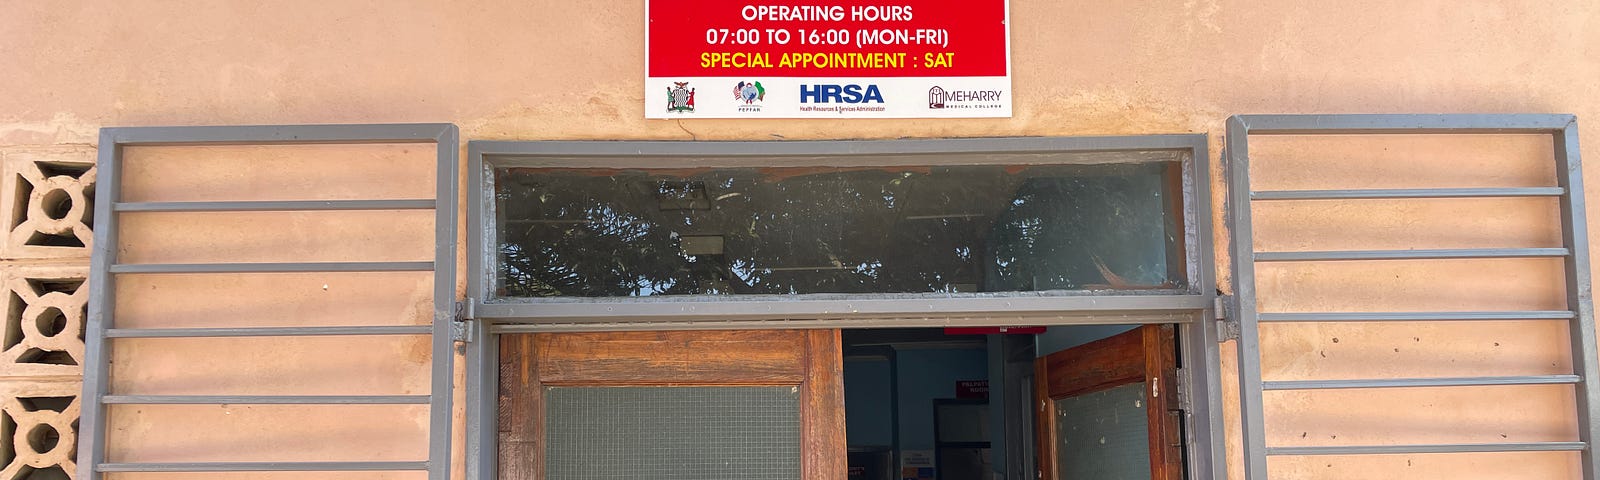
47, 197
39, 429
47, 200
45, 310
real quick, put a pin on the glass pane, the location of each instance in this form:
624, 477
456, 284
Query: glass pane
1103, 435
801, 230
672, 433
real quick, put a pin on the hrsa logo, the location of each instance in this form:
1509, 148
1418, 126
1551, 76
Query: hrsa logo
840, 94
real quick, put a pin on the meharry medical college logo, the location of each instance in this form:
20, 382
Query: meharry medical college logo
680, 98
936, 97
939, 98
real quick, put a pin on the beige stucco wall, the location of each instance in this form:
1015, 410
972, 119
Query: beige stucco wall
539, 70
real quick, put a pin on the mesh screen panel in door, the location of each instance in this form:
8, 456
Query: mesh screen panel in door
1103, 435
672, 433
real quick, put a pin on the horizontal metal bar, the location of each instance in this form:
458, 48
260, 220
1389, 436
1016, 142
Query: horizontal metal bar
262, 467
268, 331
1106, 318
1408, 193
274, 206
837, 147
1347, 124
273, 267
1413, 316
1432, 448
1419, 382
859, 312
1465, 253
278, 134
266, 399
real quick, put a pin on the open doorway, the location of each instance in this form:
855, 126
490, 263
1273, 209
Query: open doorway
686, 239
982, 404
910, 393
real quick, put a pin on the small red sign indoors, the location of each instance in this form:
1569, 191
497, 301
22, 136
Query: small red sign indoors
993, 330
837, 59
972, 389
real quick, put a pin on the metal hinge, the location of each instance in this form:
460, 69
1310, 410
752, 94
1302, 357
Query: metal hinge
1227, 313
462, 328
1183, 389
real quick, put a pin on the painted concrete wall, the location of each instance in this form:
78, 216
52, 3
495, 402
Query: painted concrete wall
535, 70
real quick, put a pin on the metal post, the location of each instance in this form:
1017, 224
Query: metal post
1580, 291
97, 348
444, 304
1198, 344
1248, 347
483, 353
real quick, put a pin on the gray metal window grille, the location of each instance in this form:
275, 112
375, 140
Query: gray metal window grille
672, 433
102, 328
1574, 253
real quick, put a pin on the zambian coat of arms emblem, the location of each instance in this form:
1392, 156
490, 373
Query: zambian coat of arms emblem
680, 98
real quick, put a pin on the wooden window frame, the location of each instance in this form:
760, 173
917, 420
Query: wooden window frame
809, 360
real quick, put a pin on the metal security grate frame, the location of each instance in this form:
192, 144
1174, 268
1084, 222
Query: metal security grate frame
1574, 254
101, 326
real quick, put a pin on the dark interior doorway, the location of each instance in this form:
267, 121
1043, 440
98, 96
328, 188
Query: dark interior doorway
959, 404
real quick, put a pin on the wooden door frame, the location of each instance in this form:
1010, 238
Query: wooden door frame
810, 360
1146, 354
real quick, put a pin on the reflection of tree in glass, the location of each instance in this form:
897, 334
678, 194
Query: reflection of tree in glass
571, 234
1088, 231
559, 238
784, 231
591, 233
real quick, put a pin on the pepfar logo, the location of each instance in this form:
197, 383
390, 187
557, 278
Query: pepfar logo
749, 92
840, 94
748, 95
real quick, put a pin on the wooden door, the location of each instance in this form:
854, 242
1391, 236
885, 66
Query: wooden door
807, 361
1107, 408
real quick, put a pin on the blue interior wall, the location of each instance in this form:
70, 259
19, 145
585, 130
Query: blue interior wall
926, 375
868, 413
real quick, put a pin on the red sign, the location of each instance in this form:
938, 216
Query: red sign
850, 58
972, 389
911, 38
993, 330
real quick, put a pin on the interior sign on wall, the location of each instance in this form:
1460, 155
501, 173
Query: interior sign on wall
850, 59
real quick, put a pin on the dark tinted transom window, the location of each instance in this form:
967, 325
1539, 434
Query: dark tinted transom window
587, 232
